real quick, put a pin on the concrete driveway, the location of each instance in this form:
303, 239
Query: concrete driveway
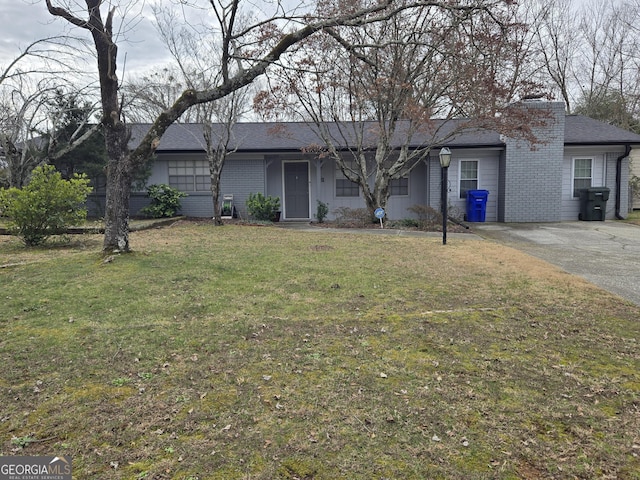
605, 253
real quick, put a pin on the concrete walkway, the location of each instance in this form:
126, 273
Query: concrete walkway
605, 253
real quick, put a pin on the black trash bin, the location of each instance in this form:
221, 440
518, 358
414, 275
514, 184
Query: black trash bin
477, 205
593, 204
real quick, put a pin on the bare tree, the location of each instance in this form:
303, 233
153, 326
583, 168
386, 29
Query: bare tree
608, 81
256, 48
147, 96
378, 90
28, 131
30, 127
556, 32
589, 52
52, 57
194, 50
220, 140
20, 113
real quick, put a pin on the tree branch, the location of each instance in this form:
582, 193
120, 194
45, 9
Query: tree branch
189, 98
349, 47
61, 12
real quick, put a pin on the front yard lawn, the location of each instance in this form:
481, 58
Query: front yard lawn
245, 352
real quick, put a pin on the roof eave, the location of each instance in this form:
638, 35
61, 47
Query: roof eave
607, 143
470, 145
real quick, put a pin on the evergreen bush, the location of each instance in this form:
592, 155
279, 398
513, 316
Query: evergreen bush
262, 208
47, 206
322, 210
165, 201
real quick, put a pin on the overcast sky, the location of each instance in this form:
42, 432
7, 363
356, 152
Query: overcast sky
27, 20
24, 21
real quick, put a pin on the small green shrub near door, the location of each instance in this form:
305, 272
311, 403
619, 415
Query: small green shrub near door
322, 211
266, 209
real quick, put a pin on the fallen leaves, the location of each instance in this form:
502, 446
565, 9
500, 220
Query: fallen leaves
460, 382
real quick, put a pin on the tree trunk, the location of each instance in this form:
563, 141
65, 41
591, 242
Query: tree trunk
116, 218
119, 175
116, 134
216, 155
377, 198
214, 170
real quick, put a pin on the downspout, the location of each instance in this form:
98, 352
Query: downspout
626, 153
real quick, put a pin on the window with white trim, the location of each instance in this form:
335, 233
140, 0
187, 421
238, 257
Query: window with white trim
190, 175
582, 174
399, 186
344, 186
468, 176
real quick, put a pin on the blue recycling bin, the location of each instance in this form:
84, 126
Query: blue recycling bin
477, 205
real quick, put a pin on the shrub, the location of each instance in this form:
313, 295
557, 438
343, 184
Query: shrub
262, 208
321, 211
634, 183
407, 223
428, 217
165, 201
47, 206
355, 217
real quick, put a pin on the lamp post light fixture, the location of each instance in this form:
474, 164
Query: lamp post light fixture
445, 161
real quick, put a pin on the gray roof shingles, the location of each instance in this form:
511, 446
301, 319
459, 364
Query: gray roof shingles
294, 136
581, 130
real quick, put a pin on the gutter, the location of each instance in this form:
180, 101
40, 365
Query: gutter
627, 151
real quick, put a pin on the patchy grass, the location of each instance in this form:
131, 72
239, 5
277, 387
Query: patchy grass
259, 353
633, 217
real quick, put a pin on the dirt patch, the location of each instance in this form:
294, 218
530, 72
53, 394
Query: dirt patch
321, 248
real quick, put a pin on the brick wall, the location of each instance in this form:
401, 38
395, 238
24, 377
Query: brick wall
531, 174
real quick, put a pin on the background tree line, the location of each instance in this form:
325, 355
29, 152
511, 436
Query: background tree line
587, 53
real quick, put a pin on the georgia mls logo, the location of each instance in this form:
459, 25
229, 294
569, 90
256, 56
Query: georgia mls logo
35, 468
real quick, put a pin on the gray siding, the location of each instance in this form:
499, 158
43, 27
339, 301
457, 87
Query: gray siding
604, 175
322, 182
488, 165
240, 177
435, 182
96, 205
634, 169
625, 198
502, 166
488, 168
327, 192
160, 171
571, 204
137, 201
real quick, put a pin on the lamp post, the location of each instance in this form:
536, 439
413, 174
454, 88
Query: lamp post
445, 161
